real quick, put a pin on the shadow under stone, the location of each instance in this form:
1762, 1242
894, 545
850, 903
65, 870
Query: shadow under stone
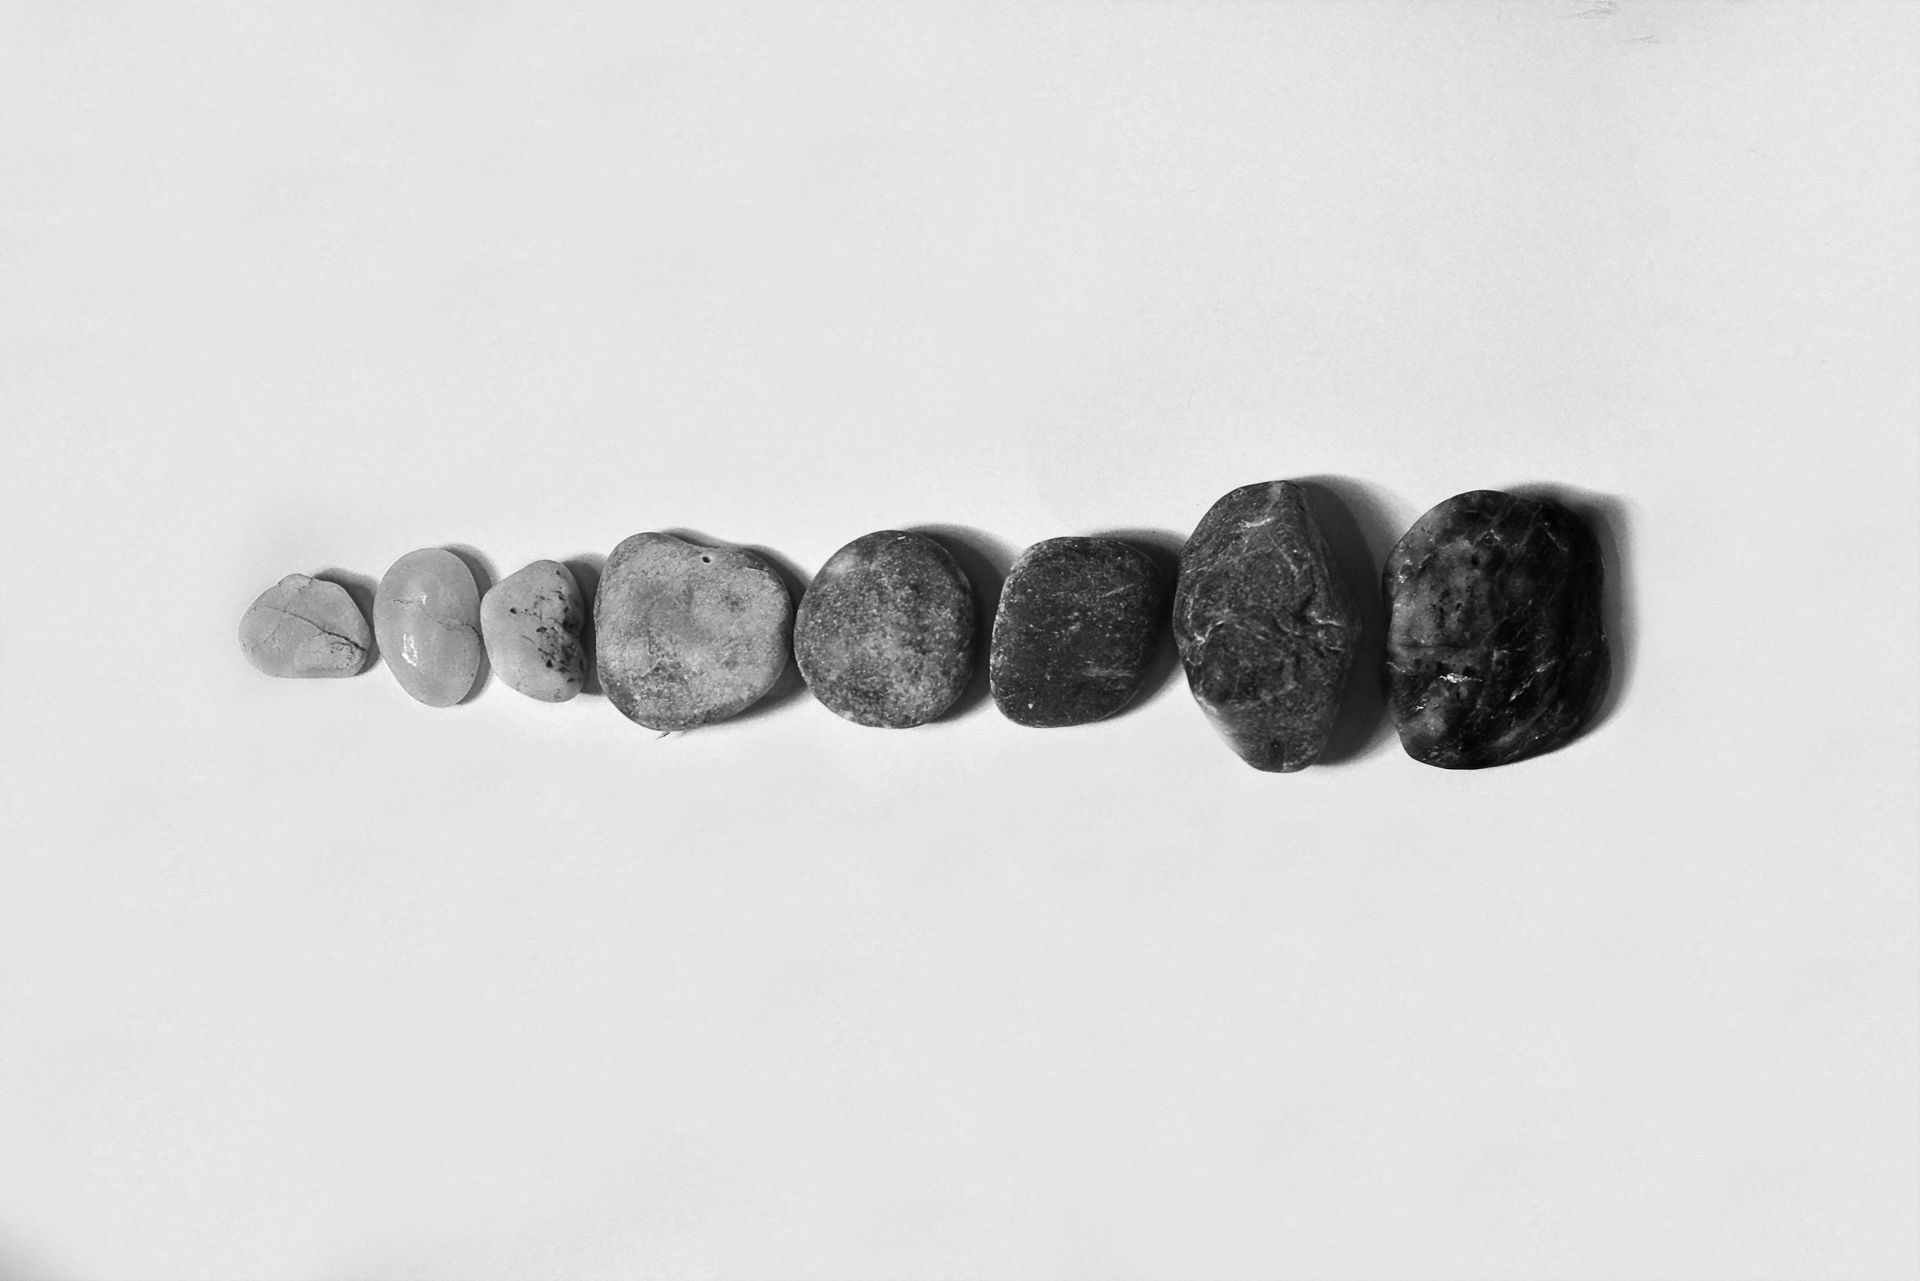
585, 568
360, 588
1162, 547
1609, 517
483, 577
1360, 531
986, 560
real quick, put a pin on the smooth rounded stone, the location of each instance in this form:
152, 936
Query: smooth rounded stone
884, 635
305, 626
1078, 623
530, 621
426, 615
1266, 626
1496, 648
686, 635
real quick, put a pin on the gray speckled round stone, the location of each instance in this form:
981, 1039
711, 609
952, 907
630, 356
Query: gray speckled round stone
305, 627
530, 621
426, 615
1266, 626
884, 635
686, 635
1078, 623
1495, 645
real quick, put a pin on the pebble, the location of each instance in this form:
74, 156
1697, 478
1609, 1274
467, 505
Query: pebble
686, 635
426, 614
530, 621
1078, 624
885, 633
1496, 648
1266, 626
305, 626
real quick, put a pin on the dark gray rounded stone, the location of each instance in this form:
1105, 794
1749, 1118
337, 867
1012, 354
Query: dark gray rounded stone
884, 635
1078, 623
1496, 648
1266, 626
688, 635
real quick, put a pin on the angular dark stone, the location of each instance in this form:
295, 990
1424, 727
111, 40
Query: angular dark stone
1495, 644
1078, 623
884, 635
1265, 624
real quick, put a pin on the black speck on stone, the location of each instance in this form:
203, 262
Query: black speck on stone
1496, 647
1266, 626
1078, 622
885, 633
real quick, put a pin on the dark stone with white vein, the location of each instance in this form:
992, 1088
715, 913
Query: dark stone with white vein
1496, 648
1266, 626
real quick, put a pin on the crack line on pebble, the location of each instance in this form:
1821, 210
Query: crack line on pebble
324, 631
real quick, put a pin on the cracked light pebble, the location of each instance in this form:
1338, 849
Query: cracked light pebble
885, 633
1078, 623
426, 616
688, 635
1266, 626
1496, 648
530, 621
305, 627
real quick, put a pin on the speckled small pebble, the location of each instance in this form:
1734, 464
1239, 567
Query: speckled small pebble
531, 623
885, 633
1495, 644
1078, 623
1266, 626
305, 627
426, 615
686, 635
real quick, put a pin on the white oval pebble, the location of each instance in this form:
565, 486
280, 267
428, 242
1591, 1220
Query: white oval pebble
426, 615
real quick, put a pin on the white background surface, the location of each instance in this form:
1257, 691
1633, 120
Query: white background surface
305, 980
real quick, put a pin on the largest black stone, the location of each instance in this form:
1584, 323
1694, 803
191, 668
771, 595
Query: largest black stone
1495, 645
1265, 624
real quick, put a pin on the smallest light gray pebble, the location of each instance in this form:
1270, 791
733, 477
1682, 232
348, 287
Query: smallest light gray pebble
305, 627
531, 623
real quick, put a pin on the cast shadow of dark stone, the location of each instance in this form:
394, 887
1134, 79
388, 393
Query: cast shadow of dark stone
360, 587
1611, 521
1360, 531
483, 578
1162, 547
585, 568
985, 560
790, 686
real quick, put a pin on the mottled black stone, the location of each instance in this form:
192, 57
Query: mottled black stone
1495, 644
1266, 626
884, 635
1078, 622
